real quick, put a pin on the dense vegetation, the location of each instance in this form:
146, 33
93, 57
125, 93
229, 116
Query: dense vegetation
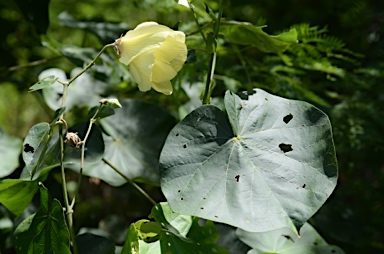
336, 66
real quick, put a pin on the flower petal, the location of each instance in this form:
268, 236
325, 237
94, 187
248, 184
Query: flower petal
169, 58
144, 37
163, 87
140, 70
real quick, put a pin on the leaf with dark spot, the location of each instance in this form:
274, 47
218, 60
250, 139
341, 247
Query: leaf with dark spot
28, 149
289, 238
287, 118
285, 147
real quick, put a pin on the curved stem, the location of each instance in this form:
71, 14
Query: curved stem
69, 207
69, 211
197, 21
90, 64
91, 122
210, 82
130, 181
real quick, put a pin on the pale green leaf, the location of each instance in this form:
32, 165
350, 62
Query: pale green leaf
284, 241
267, 163
10, 148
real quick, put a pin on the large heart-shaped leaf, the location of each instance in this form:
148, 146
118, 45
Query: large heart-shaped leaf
284, 241
137, 134
267, 163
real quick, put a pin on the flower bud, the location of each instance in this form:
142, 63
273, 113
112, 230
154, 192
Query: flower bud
73, 140
154, 54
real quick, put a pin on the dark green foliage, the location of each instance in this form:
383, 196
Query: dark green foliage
336, 65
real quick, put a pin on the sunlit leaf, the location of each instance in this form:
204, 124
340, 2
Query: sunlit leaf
247, 34
267, 163
10, 148
16, 194
172, 238
44, 232
44, 83
284, 241
34, 143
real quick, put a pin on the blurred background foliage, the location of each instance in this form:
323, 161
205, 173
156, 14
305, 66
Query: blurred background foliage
337, 66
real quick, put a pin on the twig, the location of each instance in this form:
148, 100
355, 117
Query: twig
130, 181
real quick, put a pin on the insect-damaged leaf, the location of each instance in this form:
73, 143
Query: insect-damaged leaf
247, 167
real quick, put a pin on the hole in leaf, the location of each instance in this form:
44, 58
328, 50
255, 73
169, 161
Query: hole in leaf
204, 198
303, 186
202, 208
178, 190
287, 118
315, 243
216, 216
184, 146
289, 238
181, 198
285, 147
245, 94
333, 251
28, 149
237, 178
177, 134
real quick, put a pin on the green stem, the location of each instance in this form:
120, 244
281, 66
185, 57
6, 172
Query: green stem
69, 211
91, 122
90, 64
130, 181
210, 82
69, 207
197, 21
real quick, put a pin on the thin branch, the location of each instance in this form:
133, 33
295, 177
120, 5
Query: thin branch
130, 181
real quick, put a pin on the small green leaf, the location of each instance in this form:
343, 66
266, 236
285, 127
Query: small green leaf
10, 148
112, 103
90, 244
172, 236
284, 241
34, 139
247, 34
103, 112
46, 231
16, 194
44, 83
163, 214
56, 117
84, 91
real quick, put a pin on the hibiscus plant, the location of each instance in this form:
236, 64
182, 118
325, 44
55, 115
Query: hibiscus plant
241, 170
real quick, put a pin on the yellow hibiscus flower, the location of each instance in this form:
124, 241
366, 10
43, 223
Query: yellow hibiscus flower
154, 54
